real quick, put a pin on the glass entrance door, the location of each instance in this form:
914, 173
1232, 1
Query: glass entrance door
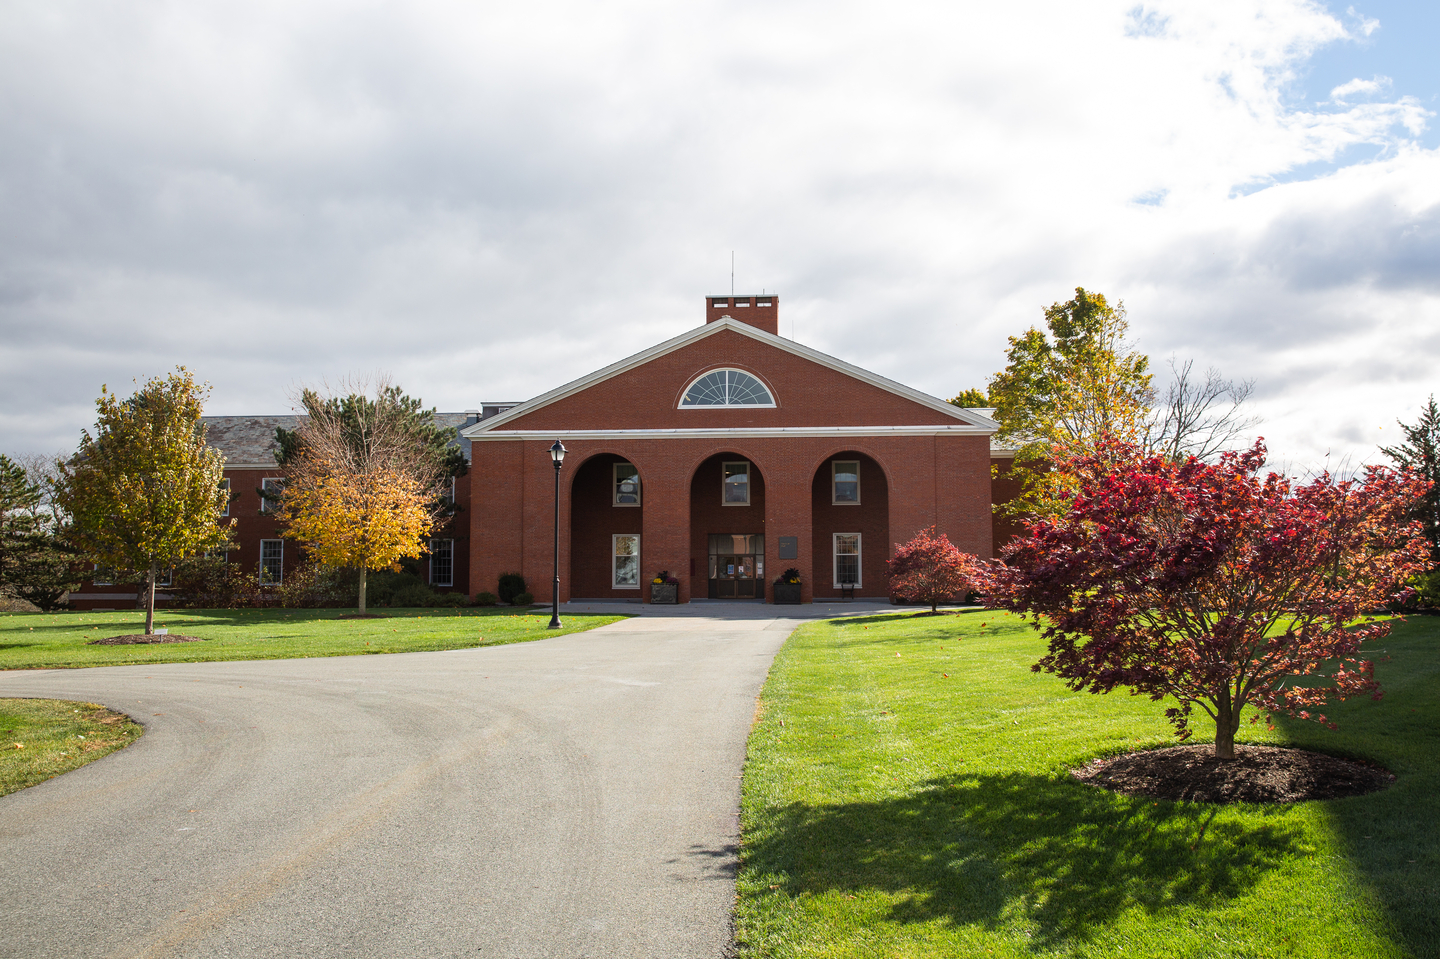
737, 566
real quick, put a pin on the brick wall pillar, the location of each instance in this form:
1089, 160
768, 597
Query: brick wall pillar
787, 513
665, 539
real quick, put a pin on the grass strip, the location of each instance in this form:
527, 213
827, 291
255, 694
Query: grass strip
60, 640
42, 738
906, 793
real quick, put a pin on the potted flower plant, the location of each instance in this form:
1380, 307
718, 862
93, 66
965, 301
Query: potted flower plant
664, 588
787, 588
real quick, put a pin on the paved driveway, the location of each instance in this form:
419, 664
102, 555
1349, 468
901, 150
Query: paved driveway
569, 797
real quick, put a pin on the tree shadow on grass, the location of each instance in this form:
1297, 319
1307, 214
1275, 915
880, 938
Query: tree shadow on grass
991, 849
848, 621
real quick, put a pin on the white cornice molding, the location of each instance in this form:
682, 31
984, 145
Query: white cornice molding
759, 432
977, 421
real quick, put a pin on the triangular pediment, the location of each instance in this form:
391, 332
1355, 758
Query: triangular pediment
907, 406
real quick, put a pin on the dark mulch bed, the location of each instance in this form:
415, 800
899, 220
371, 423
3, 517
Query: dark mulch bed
135, 639
1257, 774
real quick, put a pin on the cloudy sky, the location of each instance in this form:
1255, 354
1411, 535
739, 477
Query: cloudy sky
487, 200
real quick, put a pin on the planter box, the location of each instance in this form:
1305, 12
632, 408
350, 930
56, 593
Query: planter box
668, 593
787, 594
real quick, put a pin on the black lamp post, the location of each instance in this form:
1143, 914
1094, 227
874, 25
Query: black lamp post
557, 455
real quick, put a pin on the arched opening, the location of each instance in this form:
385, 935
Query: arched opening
727, 529
607, 501
850, 526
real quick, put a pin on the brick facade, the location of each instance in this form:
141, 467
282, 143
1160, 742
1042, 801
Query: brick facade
248, 442
922, 463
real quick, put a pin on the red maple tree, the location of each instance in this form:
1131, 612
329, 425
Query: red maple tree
930, 569
1214, 586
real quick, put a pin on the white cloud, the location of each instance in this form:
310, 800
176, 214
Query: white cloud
489, 200
1369, 88
1366, 25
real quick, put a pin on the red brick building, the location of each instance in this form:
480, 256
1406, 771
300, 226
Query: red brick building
724, 456
249, 446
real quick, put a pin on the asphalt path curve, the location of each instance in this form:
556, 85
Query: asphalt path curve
569, 797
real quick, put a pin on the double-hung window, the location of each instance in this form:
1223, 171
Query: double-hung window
268, 503
737, 484
625, 560
104, 576
845, 482
225, 488
846, 557
272, 561
442, 562
627, 485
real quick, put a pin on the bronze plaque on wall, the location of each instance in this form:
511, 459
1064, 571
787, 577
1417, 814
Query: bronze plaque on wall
789, 547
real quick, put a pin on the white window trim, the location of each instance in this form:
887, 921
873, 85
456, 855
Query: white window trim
260, 569
265, 503
615, 486
107, 572
225, 485
728, 406
639, 573
835, 558
433, 580
744, 463
833, 469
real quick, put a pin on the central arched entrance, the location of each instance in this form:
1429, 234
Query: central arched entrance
727, 529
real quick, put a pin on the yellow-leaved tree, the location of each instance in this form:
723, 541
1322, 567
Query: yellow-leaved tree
1064, 390
144, 492
365, 478
1074, 393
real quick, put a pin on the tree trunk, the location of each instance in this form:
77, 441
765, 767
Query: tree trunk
150, 602
1227, 721
362, 589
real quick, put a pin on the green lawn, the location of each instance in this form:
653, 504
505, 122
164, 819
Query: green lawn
891, 811
49, 640
42, 738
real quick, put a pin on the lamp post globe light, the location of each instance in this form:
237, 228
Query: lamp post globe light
557, 456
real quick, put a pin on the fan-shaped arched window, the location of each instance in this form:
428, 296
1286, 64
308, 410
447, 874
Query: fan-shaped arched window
727, 388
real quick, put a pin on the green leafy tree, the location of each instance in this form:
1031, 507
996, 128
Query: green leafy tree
361, 419
1420, 454
1064, 390
971, 399
1070, 388
366, 478
35, 563
144, 492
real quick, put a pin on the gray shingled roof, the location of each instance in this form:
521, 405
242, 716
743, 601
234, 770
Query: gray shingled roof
246, 440
250, 440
